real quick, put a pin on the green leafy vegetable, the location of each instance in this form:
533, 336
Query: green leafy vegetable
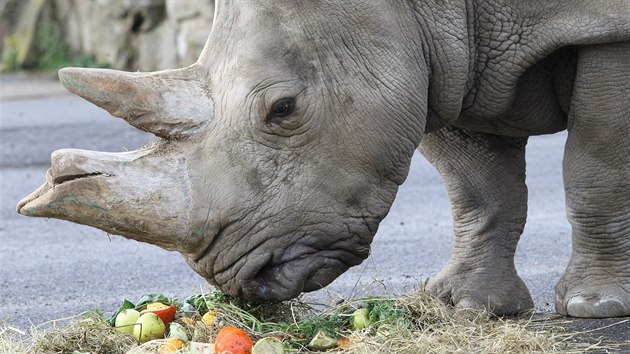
150, 298
126, 304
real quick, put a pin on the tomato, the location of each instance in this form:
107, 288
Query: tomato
166, 313
232, 340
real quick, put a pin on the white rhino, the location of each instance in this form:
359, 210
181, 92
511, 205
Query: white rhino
283, 146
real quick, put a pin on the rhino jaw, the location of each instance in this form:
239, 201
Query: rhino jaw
275, 283
136, 194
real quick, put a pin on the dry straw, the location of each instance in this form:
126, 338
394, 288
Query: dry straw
87, 332
414, 323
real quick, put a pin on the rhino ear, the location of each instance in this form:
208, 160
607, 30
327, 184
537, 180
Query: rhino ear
169, 104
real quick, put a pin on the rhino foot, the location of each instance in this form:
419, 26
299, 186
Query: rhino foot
500, 292
593, 296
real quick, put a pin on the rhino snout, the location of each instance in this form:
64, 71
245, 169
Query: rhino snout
268, 274
279, 282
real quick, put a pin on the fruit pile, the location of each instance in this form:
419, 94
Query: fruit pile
218, 323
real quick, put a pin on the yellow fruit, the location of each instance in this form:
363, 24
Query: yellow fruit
189, 321
166, 313
154, 305
171, 345
208, 318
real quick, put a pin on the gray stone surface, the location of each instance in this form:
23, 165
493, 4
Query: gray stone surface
126, 34
179, 10
156, 49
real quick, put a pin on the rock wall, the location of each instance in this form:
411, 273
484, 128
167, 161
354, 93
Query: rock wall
126, 34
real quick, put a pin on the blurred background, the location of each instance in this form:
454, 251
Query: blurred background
120, 34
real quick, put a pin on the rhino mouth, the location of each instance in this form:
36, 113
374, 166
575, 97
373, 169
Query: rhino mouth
31, 205
268, 274
279, 282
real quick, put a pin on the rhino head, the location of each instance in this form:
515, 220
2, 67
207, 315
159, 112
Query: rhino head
280, 150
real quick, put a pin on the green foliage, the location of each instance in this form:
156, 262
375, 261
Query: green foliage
51, 50
53, 53
126, 304
389, 311
194, 305
10, 54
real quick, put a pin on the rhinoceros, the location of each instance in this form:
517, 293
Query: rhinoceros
282, 148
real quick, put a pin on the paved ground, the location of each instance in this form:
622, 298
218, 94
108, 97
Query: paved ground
51, 269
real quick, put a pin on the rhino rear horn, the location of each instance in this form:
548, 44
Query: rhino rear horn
169, 104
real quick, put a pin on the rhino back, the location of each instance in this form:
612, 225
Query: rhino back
524, 60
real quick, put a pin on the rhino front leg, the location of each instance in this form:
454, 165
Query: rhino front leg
484, 176
597, 183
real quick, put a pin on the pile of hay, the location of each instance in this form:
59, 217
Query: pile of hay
441, 329
414, 323
88, 332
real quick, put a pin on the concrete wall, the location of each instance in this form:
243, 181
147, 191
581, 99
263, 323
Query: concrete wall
127, 34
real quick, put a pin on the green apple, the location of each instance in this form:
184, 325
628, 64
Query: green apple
149, 326
175, 330
321, 341
268, 345
360, 318
125, 321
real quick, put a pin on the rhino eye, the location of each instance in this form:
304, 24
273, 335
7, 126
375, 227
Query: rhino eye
282, 108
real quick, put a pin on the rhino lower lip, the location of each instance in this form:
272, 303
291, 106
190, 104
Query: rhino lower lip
266, 286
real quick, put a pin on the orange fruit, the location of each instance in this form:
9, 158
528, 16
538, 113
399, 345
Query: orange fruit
232, 340
164, 312
344, 343
171, 345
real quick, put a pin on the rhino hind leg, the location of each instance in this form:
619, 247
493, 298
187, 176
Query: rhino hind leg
485, 179
596, 172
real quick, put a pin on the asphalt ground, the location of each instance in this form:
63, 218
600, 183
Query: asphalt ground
51, 269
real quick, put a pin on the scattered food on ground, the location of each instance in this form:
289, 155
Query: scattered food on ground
165, 312
216, 322
268, 345
126, 321
233, 340
148, 327
360, 318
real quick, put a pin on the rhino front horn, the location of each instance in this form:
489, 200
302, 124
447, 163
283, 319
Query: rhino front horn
169, 104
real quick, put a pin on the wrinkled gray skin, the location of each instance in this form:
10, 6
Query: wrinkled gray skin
266, 207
